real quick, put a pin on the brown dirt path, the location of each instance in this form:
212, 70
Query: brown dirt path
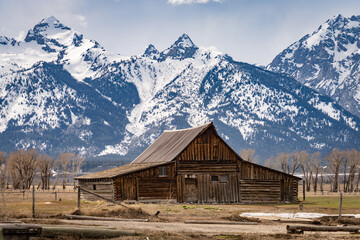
206, 229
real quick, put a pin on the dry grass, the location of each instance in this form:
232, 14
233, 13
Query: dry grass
238, 218
107, 210
334, 221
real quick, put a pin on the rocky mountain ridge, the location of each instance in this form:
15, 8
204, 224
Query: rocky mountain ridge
62, 92
327, 60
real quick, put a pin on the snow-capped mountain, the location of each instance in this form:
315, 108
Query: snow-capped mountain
62, 92
327, 60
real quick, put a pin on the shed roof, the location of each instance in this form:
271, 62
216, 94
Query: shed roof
114, 172
169, 145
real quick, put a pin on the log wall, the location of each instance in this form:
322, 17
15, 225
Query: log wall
103, 187
127, 187
260, 191
156, 188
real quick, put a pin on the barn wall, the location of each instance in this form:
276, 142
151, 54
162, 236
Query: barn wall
200, 188
260, 191
103, 187
207, 182
140, 185
207, 147
288, 184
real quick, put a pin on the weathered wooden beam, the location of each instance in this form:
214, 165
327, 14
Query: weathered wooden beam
301, 228
104, 218
19, 230
219, 222
52, 232
106, 199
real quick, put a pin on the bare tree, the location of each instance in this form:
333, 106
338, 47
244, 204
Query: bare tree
271, 162
295, 162
316, 160
45, 164
76, 164
357, 182
306, 168
249, 155
22, 167
2, 169
335, 159
346, 158
322, 180
354, 162
283, 160
65, 160
2, 183
56, 167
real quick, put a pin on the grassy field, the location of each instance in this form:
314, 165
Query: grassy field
20, 205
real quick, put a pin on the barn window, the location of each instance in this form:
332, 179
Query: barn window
214, 178
224, 178
162, 171
94, 187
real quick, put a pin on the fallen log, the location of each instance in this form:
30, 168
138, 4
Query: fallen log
219, 222
19, 230
52, 232
80, 217
300, 229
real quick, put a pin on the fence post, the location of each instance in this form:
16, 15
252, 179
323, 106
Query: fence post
340, 205
303, 189
55, 195
33, 201
79, 196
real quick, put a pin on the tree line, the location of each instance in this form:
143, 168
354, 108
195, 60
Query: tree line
340, 168
20, 167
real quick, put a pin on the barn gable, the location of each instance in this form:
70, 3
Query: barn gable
208, 146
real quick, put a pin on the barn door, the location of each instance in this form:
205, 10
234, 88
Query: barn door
190, 191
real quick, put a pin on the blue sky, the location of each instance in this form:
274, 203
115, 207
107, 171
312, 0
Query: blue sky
252, 31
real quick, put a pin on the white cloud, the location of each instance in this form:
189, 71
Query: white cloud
179, 2
20, 36
81, 19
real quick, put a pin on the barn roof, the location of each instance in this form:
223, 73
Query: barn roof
114, 172
169, 145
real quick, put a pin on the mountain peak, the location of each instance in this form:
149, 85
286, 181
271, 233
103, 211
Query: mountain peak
184, 41
41, 29
327, 60
50, 20
151, 51
7, 41
182, 48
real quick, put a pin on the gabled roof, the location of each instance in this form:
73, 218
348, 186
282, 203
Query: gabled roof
114, 172
169, 145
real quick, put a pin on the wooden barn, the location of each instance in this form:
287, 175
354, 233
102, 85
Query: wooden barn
192, 165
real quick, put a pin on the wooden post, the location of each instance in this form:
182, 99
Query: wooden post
23, 192
340, 205
79, 197
137, 189
55, 195
303, 189
33, 201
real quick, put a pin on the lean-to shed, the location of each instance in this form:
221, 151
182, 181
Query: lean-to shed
192, 165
